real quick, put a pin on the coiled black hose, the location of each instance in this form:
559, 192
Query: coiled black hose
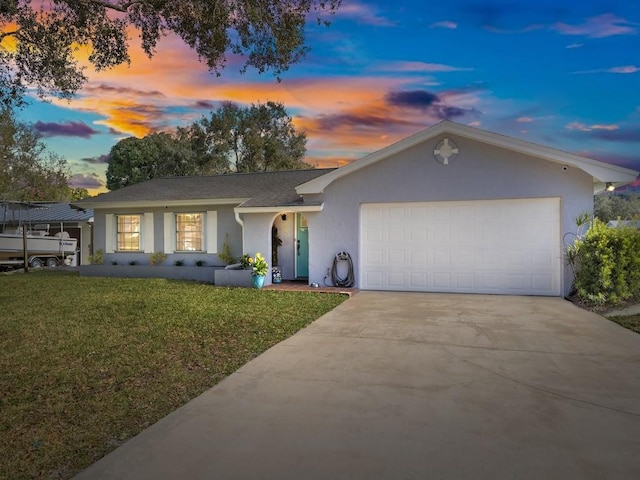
347, 281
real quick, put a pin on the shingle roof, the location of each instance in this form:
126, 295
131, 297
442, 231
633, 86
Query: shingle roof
47, 212
264, 189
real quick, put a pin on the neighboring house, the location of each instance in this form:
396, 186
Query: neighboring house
57, 217
624, 223
450, 209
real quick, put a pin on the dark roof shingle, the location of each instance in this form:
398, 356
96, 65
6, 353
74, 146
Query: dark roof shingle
46, 213
264, 189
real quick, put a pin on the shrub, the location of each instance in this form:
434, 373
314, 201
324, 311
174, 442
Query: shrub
200, 263
178, 263
225, 255
156, 258
606, 264
97, 258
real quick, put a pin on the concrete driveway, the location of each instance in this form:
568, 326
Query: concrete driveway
414, 386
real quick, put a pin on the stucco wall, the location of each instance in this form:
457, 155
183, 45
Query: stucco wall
257, 236
85, 247
478, 172
226, 224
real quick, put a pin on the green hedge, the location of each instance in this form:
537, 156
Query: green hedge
606, 264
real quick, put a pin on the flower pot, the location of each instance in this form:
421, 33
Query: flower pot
276, 275
257, 281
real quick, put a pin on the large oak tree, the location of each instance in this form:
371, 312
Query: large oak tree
255, 138
617, 206
134, 160
234, 138
28, 172
39, 39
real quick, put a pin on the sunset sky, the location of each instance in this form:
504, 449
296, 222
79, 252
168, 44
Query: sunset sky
562, 73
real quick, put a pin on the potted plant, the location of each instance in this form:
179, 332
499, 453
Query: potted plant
259, 268
276, 241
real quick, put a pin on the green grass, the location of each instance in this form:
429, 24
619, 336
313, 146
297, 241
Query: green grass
632, 322
86, 363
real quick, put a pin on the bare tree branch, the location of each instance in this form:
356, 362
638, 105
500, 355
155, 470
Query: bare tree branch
113, 6
9, 34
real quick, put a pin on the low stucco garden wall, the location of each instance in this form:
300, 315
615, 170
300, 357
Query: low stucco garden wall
201, 274
215, 275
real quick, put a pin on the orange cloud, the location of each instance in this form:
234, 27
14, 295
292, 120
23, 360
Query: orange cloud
9, 42
329, 161
343, 117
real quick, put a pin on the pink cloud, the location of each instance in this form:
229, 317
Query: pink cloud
362, 13
524, 120
588, 128
445, 24
407, 66
624, 69
605, 25
527, 29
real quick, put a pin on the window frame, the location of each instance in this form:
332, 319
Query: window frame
118, 232
176, 232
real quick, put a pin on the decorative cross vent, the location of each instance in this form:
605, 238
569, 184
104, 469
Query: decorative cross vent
445, 151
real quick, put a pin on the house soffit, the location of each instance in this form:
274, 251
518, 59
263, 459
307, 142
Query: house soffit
278, 209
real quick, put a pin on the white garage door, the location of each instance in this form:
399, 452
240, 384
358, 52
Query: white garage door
488, 246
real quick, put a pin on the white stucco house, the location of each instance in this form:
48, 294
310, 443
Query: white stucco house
450, 209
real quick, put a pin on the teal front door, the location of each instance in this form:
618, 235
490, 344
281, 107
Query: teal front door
302, 247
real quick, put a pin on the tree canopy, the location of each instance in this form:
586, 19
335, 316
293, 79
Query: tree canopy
617, 206
27, 171
134, 160
234, 138
256, 138
39, 41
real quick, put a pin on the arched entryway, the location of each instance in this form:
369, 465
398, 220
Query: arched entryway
290, 245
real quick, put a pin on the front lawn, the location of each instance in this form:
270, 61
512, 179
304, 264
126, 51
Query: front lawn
632, 322
86, 363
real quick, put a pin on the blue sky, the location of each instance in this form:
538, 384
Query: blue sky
564, 74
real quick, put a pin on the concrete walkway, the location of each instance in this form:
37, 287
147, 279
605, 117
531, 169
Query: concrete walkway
622, 312
414, 386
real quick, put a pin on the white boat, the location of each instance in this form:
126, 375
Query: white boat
37, 244
42, 248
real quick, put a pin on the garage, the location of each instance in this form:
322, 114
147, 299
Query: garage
455, 209
510, 246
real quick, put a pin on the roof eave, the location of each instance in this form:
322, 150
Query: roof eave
281, 209
159, 203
